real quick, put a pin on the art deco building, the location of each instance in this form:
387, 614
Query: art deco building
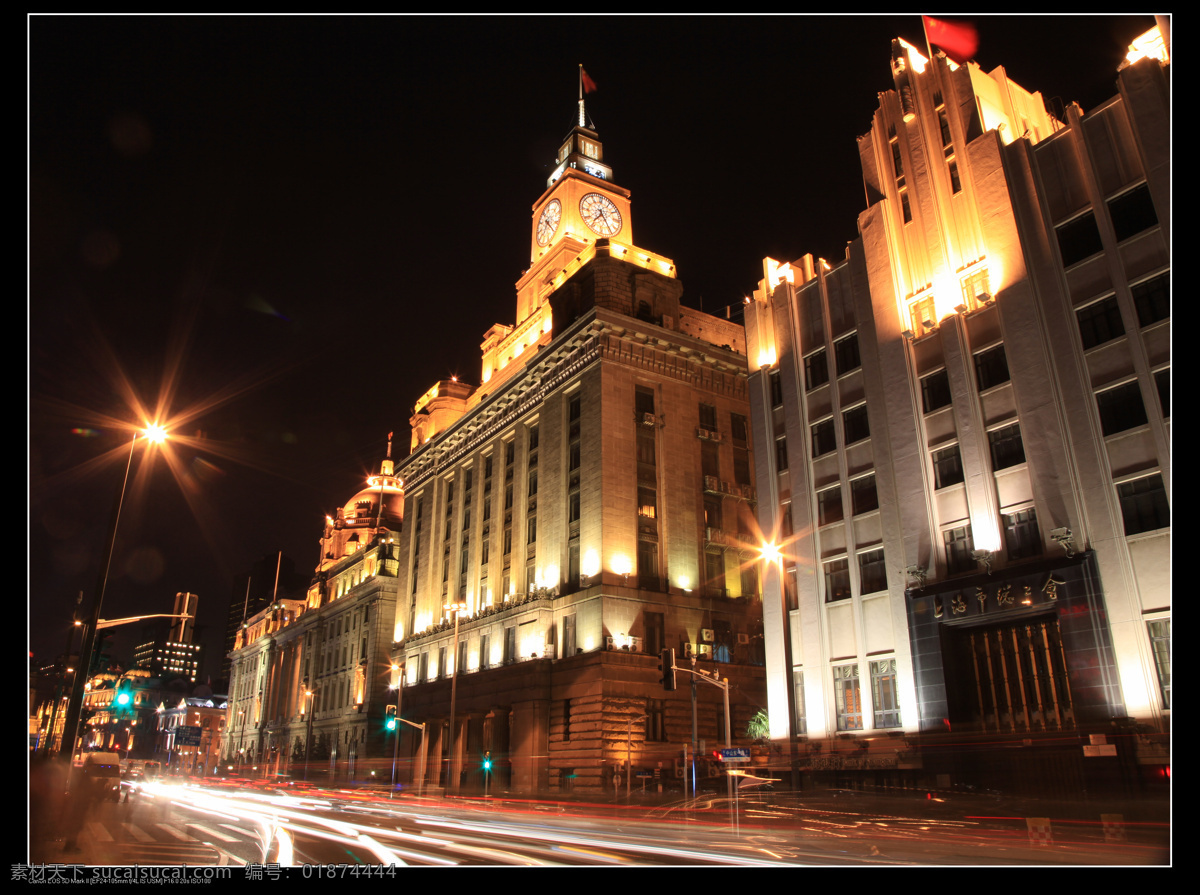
962, 435
310, 675
586, 507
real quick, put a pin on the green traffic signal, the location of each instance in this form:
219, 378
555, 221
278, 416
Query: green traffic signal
390, 718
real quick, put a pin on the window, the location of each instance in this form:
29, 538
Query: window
847, 697
829, 505
568, 639
485, 651
884, 697
935, 391
800, 718
872, 572
510, 645
816, 369
947, 467
955, 181
1132, 212
959, 547
1144, 504
991, 368
823, 438
738, 428
776, 389
1078, 239
647, 560
845, 352
654, 633
460, 661
1162, 382
1006, 446
708, 417
643, 402
1160, 643
1100, 322
905, 208
656, 725
441, 666
750, 580
710, 459
863, 496
837, 580
855, 424
1152, 299
781, 456
566, 716
1021, 535
1121, 408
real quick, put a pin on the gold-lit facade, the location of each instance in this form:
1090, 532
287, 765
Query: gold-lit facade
963, 433
587, 505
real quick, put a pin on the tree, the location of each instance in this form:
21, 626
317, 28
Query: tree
759, 727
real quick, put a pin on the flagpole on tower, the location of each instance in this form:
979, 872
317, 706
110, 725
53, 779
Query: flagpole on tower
582, 117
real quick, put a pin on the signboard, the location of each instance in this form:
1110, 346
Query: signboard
1098, 751
187, 736
735, 755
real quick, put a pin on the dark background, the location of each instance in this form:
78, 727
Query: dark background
277, 232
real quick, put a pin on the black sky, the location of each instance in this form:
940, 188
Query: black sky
319, 217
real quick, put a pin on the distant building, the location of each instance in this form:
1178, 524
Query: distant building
167, 649
271, 577
962, 436
190, 731
310, 676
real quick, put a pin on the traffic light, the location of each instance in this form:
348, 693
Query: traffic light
666, 667
123, 699
487, 762
389, 718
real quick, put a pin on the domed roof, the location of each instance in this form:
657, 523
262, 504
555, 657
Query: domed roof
386, 487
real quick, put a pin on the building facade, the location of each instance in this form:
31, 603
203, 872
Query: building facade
310, 675
588, 505
962, 438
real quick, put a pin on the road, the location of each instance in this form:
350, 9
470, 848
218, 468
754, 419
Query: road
170, 824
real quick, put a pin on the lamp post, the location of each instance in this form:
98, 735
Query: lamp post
452, 772
156, 435
308, 695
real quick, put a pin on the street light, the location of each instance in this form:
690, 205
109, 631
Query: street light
308, 695
155, 434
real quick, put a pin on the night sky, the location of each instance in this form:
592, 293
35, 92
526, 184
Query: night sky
280, 231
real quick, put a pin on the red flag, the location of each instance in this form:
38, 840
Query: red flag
589, 86
960, 40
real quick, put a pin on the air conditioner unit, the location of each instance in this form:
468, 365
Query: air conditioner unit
706, 634
689, 650
635, 644
711, 482
608, 642
706, 651
647, 419
703, 434
743, 639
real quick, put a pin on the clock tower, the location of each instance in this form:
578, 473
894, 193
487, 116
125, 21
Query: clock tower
581, 205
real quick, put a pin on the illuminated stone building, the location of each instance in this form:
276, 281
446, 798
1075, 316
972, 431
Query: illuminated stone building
309, 674
587, 506
963, 444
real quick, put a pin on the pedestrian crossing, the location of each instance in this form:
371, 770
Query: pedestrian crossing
159, 843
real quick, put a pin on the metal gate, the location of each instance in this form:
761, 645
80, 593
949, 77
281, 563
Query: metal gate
1010, 678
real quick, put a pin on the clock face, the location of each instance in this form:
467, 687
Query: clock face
547, 224
599, 213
